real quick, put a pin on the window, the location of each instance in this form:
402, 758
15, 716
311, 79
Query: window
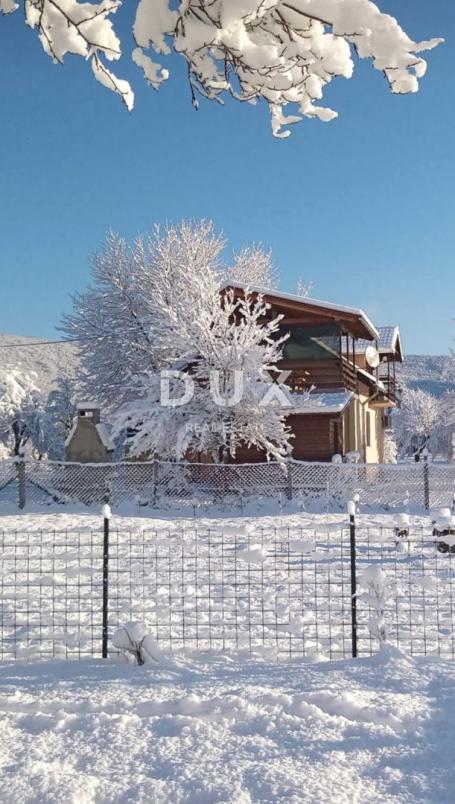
311, 343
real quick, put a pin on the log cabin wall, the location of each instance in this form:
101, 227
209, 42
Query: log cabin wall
317, 438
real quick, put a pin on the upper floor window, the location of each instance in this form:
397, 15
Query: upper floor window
311, 343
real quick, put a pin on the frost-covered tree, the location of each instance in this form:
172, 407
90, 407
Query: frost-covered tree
442, 442
133, 320
417, 422
159, 305
54, 418
254, 268
282, 52
19, 399
390, 447
304, 288
229, 400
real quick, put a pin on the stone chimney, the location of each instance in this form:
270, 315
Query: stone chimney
89, 440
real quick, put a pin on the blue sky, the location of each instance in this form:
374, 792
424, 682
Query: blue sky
363, 207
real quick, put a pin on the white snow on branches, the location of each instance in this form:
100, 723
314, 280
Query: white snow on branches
417, 422
280, 51
157, 306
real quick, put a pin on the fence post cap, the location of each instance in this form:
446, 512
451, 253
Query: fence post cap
351, 508
106, 511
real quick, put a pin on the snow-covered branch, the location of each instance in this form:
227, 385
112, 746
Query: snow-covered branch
284, 52
417, 422
157, 306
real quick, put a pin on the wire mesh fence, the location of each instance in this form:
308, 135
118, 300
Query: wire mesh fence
159, 483
283, 591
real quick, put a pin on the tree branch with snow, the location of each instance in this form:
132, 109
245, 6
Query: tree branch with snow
283, 52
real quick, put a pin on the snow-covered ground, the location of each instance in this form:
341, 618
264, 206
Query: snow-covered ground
203, 728
234, 730
263, 515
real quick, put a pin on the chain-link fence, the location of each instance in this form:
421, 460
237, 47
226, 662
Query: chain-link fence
290, 592
158, 483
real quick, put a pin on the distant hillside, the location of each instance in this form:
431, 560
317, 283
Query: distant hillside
433, 373
47, 361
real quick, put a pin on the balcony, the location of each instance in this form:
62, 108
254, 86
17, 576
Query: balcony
392, 387
325, 375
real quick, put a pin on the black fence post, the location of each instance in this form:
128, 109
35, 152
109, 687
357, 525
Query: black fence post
106, 517
289, 489
155, 483
426, 480
352, 534
21, 480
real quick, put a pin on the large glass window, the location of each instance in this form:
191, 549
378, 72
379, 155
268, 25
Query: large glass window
311, 343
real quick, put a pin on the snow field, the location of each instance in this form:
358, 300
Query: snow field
239, 730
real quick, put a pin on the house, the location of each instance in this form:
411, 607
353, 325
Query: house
88, 440
351, 365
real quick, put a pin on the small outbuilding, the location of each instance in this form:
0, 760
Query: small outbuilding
88, 440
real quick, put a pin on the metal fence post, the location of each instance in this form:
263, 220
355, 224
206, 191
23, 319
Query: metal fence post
352, 534
426, 479
289, 481
155, 483
21, 480
106, 517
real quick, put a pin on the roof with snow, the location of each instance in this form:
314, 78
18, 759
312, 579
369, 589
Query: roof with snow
89, 405
101, 429
365, 327
105, 437
330, 402
372, 380
389, 342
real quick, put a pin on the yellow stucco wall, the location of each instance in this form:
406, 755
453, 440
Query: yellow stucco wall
355, 429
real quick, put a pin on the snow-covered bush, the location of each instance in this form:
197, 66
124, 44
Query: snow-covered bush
135, 642
444, 531
376, 592
390, 447
284, 53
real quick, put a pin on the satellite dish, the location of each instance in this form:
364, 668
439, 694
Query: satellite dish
372, 356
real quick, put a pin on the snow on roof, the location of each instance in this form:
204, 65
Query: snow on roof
69, 437
372, 379
90, 405
104, 435
387, 341
102, 431
307, 300
322, 402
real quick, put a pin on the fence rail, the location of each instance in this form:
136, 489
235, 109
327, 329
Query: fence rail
287, 591
158, 483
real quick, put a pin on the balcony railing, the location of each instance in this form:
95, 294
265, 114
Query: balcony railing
392, 387
325, 375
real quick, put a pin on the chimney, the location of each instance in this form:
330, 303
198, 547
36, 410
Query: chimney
89, 410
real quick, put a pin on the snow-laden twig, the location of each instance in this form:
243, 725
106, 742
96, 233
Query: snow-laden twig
284, 52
